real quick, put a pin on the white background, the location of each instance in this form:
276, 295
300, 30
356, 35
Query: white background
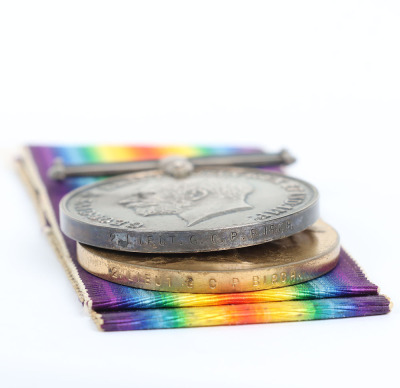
318, 77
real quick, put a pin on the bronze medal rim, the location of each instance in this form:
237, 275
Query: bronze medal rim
314, 259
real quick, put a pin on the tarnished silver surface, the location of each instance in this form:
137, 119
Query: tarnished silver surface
211, 209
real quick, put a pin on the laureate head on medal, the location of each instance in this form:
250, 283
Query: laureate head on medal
194, 200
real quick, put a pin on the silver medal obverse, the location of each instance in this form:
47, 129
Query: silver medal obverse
211, 209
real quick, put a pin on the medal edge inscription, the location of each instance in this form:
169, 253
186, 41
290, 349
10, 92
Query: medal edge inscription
211, 281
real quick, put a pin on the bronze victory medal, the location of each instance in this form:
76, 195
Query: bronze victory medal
211, 209
284, 262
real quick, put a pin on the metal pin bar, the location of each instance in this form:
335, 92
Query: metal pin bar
60, 171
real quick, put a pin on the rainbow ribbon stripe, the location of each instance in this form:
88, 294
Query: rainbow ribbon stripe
344, 292
241, 314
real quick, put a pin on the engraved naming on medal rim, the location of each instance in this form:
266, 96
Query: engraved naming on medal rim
288, 261
257, 281
211, 209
